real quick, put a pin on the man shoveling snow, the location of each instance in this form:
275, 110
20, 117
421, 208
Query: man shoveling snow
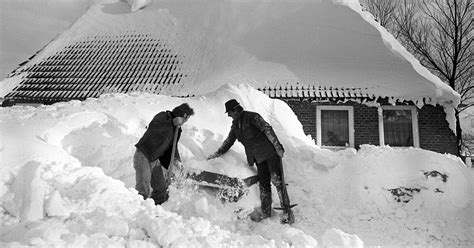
157, 148
263, 148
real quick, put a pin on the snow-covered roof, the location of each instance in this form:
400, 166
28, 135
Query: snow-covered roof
102, 64
298, 44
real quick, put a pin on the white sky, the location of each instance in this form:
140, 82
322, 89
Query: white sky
28, 25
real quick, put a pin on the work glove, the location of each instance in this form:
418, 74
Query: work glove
280, 150
212, 156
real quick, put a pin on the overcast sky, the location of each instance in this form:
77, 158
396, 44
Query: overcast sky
28, 25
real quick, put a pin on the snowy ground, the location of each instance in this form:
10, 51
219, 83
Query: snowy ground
66, 179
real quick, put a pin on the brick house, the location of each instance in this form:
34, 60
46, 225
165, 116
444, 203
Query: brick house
427, 129
348, 81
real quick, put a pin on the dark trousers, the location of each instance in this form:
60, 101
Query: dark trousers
270, 171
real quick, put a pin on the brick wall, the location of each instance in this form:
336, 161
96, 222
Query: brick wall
434, 131
366, 125
306, 113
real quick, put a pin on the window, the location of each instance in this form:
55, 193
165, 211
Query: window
398, 126
335, 126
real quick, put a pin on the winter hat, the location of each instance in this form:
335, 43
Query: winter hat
231, 105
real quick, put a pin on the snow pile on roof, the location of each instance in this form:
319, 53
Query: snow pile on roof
138, 4
272, 43
66, 179
8, 84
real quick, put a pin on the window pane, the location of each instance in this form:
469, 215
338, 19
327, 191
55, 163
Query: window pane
397, 127
334, 127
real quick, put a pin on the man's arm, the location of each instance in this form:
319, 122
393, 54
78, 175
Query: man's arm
226, 145
265, 128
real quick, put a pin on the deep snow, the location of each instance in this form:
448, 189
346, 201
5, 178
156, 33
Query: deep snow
66, 175
66, 178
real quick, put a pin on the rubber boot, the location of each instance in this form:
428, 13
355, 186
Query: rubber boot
288, 216
257, 215
265, 210
159, 197
266, 201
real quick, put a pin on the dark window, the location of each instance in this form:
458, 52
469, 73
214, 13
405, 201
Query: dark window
334, 127
397, 127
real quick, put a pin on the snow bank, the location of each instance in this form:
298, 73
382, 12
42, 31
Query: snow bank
337, 238
66, 179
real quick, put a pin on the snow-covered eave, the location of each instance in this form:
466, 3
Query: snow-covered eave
444, 94
448, 105
420, 101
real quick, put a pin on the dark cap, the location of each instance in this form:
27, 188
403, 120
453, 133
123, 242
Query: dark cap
231, 105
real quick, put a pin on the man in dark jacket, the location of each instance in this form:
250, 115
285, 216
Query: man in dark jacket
263, 148
154, 151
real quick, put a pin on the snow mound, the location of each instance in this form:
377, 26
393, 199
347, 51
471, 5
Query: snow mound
66, 179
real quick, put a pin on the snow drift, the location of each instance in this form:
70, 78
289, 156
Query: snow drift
66, 178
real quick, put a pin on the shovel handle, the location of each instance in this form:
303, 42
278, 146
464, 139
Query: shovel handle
249, 181
173, 149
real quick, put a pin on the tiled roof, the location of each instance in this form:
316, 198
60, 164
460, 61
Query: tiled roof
181, 48
101, 64
313, 92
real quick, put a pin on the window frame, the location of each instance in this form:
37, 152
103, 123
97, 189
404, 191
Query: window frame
349, 109
414, 124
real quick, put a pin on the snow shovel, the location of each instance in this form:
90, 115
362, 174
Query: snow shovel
220, 179
228, 189
173, 152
